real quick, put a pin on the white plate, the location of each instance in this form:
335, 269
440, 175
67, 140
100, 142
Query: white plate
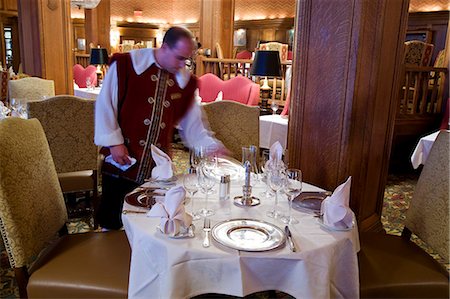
227, 167
248, 235
337, 229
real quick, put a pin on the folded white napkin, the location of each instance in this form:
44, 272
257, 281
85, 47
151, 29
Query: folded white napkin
163, 169
335, 208
110, 160
219, 97
275, 156
171, 210
197, 96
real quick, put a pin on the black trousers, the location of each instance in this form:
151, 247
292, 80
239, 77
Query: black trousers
114, 190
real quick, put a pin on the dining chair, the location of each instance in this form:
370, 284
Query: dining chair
236, 125
49, 263
395, 267
31, 88
68, 122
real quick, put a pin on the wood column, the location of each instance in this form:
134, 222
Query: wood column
217, 25
46, 41
344, 96
97, 25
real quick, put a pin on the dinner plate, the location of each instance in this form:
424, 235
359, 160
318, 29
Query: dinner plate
309, 202
248, 235
337, 229
139, 198
227, 167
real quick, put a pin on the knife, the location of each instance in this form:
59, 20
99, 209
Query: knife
289, 239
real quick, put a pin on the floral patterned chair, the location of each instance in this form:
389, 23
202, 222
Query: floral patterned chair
32, 212
275, 46
31, 88
418, 53
235, 124
68, 122
395, 267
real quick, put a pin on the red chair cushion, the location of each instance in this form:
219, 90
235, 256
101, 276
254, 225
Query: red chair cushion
80, 74
244, 55
239, 89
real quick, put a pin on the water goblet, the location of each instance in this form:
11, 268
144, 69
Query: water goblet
88, 83
274, 107
190, 183
292, 188
276, 181
265, 167
206, 184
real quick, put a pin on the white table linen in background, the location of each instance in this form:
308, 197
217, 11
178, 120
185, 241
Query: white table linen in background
86, 93
422, 150
325, 266
272, 128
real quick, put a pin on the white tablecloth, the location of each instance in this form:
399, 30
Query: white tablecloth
422, 150
86, 93
326, 265
272, 128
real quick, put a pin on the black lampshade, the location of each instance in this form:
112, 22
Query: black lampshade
266, 63
99, 56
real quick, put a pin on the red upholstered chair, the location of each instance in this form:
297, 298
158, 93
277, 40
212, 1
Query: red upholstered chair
286, 105
290, 55
244, 55
238, 89
80, 74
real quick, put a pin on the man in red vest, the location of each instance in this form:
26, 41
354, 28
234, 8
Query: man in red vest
145, 94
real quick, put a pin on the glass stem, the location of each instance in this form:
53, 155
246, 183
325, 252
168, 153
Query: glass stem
276, 203
192, 203
206, 200
290, 208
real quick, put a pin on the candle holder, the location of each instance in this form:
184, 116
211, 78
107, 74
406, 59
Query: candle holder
246, 200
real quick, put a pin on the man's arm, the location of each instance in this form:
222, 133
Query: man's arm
194, 133
107, 129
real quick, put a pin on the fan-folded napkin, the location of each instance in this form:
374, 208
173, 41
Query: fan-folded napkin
275, 155
335, 208
163, 169
110, 160
171, 210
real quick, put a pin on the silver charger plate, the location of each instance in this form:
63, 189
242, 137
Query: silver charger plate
248, 235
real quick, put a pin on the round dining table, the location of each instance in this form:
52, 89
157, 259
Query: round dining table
324, 266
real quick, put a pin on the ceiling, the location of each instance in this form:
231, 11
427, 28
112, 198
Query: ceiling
188, 11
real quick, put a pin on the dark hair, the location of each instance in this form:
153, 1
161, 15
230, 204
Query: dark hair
174, 34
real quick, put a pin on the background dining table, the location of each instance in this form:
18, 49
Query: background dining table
272, 128
325, 266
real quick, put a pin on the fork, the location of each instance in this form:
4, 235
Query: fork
207, 230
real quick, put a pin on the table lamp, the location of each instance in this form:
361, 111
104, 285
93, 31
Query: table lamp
266, 64
99, 57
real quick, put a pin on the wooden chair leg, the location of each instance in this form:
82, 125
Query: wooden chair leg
22, 277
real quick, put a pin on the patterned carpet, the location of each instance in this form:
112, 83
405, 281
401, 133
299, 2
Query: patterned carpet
399, 190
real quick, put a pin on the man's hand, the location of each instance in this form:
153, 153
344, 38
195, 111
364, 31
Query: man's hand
119, 154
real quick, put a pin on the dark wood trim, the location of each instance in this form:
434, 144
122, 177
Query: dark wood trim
137, 25
9, 13
344, 96
436, 17
265, 23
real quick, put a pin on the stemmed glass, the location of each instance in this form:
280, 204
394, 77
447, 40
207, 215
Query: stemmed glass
206, 183
274, 107
190, 183
292, 188
265, 167
276, 180
18, 108
89, 83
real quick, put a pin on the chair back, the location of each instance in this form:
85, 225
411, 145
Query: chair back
275, 46
31, 88
418, 53
68, 122
80, 75
235, 124
428, 213
32, 208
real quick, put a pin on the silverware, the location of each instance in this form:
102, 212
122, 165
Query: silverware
133, 212
207, 230
290, 239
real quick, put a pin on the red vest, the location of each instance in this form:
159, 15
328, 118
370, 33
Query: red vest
149, 106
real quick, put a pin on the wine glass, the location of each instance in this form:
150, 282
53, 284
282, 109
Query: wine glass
206, 184
190, 183
276, 181
88, 83
265, 167
274, 107
292, 188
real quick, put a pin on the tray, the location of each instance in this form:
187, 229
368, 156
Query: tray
309, 202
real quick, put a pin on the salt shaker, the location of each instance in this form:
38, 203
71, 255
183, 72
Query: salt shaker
224, 189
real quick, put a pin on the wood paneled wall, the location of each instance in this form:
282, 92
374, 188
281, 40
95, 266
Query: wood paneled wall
46, 46
344, 96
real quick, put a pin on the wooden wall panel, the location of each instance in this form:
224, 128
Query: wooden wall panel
46, 41
11, 5
344, 98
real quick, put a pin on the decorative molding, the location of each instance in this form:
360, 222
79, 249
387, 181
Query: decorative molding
139, 25
52, 4
265, 23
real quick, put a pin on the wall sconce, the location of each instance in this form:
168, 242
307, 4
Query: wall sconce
99, 57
